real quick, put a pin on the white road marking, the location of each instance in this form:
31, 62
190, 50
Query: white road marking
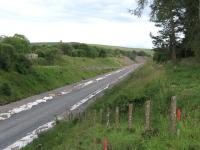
75, 106
82, 85
28, 106
87, 83
24, 107
34, 134
30, 136
101, 78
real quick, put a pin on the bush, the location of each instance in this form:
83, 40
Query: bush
102, 53
52, 55
133, 55
161, 55
67, 49
6, 89
84, 50
6, 56
23, 65
79, 53
20, 42
141, 53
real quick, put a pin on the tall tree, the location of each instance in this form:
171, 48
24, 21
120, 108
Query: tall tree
168, 16
20, 42
191, 23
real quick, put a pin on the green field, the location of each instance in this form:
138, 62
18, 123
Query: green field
152, 81
64, 71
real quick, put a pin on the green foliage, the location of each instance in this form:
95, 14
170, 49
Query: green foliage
12, 51
52, 55
86, 50
67, 48
141, 53
6, 56
161, 55
102, 53
78, 53
178, 33
157, 81
5, 89
133, 55
20, 42
195, 42
23, 65
41, 78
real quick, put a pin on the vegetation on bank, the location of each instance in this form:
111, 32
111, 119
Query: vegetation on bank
74, 49
158, 82
66, 70
52, 66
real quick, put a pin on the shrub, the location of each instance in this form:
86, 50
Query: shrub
20, 42
23, 65
67, 49
161, 55
52, 55
6, 56
102, 53
78, 53
133, 55
141, 53
5, 89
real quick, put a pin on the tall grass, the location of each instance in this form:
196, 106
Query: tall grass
152, 81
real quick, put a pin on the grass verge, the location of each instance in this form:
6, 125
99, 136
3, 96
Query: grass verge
152, 81
15, 86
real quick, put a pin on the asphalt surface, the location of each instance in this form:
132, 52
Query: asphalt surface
17, 126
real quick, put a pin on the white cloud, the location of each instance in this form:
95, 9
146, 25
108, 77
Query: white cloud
91, 21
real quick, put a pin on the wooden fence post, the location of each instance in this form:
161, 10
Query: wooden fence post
56, 118
108, 118
173, 125
79, 116
130, 116
85, 115
117, 117
101, 116
71, 116
95, 115
68, 115
148, 115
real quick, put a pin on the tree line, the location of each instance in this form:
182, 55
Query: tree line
75, 49
179, 24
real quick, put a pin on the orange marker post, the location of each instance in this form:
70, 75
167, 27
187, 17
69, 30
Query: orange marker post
105, 144
178, 114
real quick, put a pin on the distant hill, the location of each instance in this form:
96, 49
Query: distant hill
98, 45
146, 50
120, 47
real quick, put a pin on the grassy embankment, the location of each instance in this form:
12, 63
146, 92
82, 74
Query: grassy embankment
158, 82
64, 71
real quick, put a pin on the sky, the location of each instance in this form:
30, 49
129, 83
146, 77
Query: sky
88, 21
